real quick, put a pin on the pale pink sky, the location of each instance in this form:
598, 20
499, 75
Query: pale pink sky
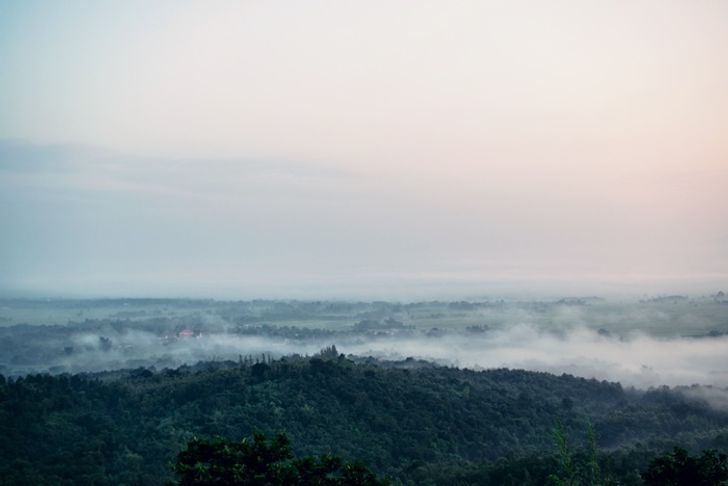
484, 141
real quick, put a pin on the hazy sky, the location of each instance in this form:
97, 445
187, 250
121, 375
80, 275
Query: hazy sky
387, 149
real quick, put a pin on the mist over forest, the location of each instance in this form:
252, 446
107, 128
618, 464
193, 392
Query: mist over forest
668, 340
425, 393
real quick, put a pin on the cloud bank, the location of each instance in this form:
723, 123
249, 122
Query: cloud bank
638, 360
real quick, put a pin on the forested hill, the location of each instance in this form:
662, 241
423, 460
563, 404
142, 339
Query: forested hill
414, 422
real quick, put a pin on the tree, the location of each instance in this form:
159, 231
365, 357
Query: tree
265, 462
566, 463
678, 468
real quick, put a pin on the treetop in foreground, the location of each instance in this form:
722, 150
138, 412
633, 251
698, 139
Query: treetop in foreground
266, 462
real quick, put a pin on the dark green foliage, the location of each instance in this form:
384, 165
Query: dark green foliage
567, 473
678, 468
580, 469
594, 470
424, 425
264, 462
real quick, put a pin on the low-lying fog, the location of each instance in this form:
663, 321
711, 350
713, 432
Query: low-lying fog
638, 359
674, 341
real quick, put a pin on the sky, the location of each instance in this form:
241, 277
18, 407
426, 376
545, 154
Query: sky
383, 149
